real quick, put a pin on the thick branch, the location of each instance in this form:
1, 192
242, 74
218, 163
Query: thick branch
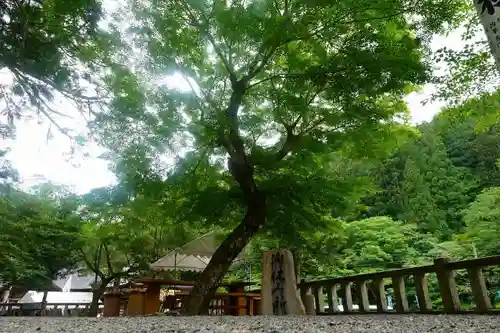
288, 146
313, 125
108, 259
257, 65
218, 51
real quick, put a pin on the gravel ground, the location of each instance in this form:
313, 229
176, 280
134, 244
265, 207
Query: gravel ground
303, 324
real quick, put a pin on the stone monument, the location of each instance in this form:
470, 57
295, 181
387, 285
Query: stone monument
279, 285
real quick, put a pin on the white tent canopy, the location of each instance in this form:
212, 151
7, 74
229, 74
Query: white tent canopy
193, 256
203, 246
181, 262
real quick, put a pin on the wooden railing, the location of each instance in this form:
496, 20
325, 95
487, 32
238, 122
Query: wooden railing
51, 309
313, 292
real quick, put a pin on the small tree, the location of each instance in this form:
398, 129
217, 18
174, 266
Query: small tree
123, 233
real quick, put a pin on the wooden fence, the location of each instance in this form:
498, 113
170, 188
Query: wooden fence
313, 292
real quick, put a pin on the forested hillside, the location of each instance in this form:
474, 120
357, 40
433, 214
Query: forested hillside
432, 197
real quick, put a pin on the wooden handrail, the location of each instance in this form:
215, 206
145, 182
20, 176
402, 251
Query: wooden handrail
372, 276
472, 263
443, 269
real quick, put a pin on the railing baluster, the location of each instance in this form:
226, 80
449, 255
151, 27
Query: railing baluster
364, 303
447, 286
479, 290
319, 299
333, 305
347, 299
398, 283
304, 290
379, 290
424, 301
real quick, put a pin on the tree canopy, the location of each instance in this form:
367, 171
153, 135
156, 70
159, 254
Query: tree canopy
275, 89
40, 238
47, 48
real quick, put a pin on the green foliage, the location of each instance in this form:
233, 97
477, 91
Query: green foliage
298, 101
38, 239
379, 242
42, 45
471, 134
467, 69
481, 218
124, 232
278, 95
420, 185
8, 175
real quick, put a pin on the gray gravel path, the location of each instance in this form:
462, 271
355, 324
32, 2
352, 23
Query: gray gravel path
303, 324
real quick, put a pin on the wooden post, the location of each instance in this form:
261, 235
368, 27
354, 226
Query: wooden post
347, 300
307, 299
424, 301
152, 298
398, 284
319, 299
333, 304
479, 290
111, 304
251, 306
379, 290
242, 306
447, 286
364, 302
136, 303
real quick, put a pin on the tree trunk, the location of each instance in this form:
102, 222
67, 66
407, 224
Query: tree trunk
96, 295
296, 264
5, 293
43, 306
116, 284
197, 302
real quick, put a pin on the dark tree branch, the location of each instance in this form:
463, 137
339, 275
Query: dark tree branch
91, 266
108, 259
292, 140
38, 101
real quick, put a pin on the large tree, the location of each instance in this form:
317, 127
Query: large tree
276, 87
